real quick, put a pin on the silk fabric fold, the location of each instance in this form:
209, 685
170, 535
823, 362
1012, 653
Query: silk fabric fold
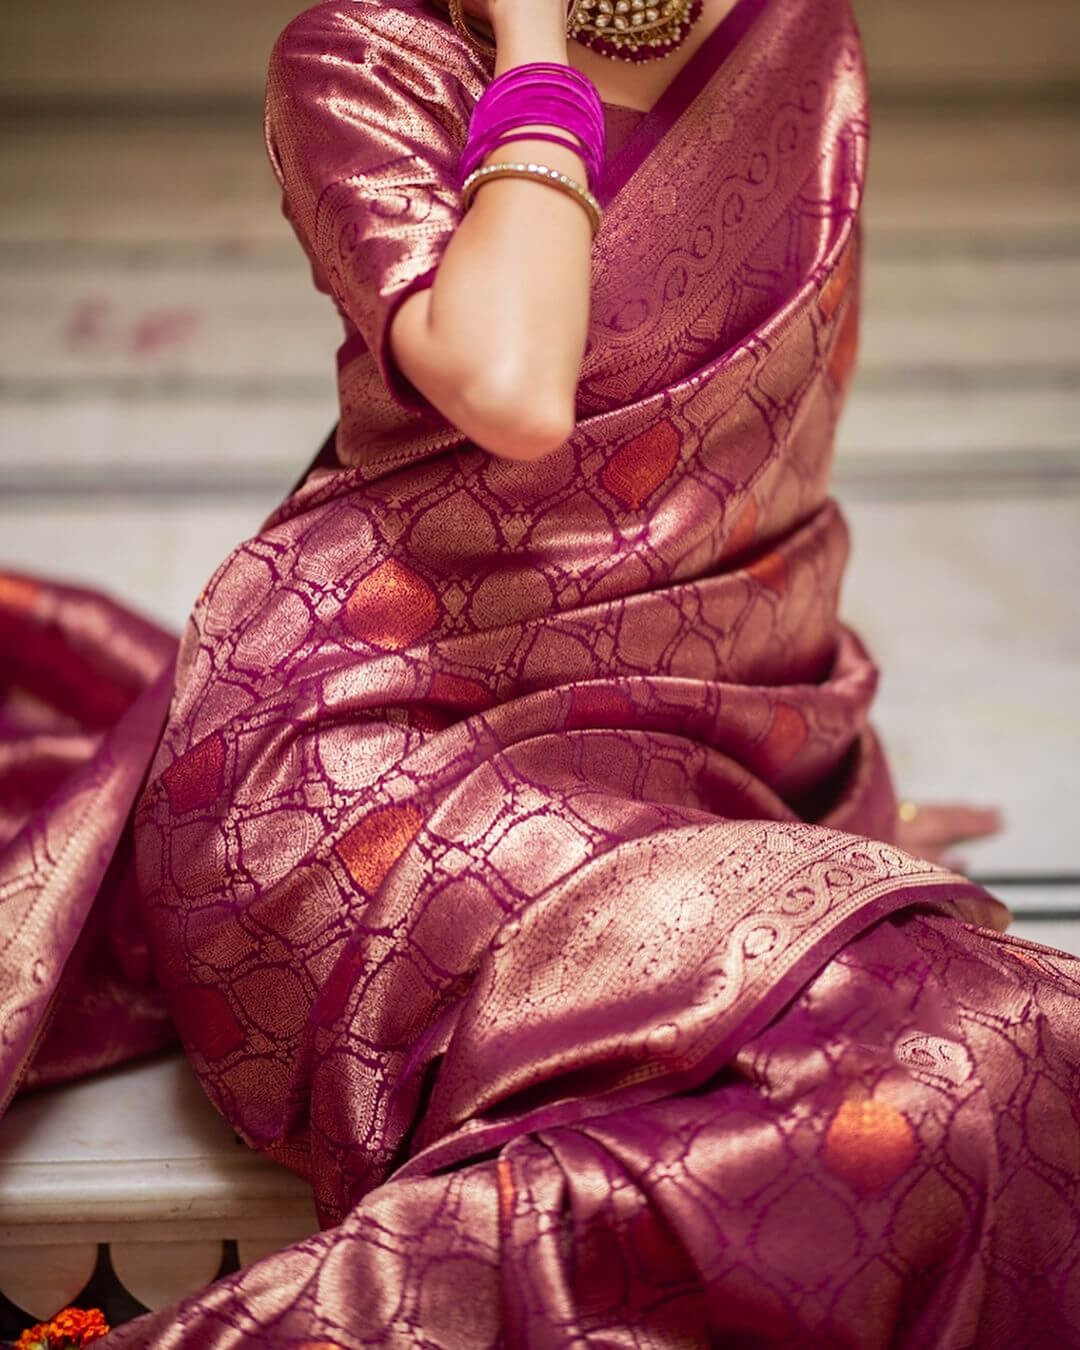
514, 859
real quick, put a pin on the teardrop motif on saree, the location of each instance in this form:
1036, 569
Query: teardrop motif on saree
196, 778
370, 848
638, 468
869, 1144
391, 607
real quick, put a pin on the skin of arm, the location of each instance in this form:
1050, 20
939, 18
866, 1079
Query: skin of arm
496, 342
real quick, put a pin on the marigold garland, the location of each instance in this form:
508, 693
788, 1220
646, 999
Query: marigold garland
68, 1330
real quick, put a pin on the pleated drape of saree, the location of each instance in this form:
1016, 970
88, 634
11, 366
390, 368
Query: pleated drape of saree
514, 857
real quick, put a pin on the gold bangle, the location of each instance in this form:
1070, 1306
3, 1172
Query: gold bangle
461, 23
552, 177
907, 811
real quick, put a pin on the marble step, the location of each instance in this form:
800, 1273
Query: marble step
134, 325
971, 610
102, 182
138, 1151
201, 50
257, 438
138, 1159
1049, 917
164, 334
968, 604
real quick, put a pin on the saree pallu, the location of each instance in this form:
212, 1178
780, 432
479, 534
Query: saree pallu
515, 862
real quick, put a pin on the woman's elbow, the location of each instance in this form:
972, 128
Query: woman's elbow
511, 405
516, 418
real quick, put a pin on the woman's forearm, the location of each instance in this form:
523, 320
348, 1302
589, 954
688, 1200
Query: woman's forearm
496, 343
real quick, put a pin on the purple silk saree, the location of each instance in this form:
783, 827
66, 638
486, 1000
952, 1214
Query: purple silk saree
514, 861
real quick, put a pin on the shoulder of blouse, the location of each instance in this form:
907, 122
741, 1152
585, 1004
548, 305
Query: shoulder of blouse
361, 32
342, 58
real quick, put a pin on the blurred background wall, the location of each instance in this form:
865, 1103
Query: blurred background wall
166, 370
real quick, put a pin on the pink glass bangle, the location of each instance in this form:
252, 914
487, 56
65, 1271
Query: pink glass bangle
543, 81
580, 101
539, 108
544, 104
487, 138
539, 93
482, 151
512, 129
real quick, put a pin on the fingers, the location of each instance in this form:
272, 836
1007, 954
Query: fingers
941, 824
934, 828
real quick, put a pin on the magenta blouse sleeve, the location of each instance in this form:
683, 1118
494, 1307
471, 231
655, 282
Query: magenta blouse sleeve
365, 125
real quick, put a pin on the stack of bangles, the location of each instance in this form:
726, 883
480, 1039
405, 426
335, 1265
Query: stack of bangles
539, 93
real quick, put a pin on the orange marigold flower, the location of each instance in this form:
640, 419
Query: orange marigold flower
68, 1330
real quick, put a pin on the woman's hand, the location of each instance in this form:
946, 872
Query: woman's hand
491, 11
496, 343
930, 831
